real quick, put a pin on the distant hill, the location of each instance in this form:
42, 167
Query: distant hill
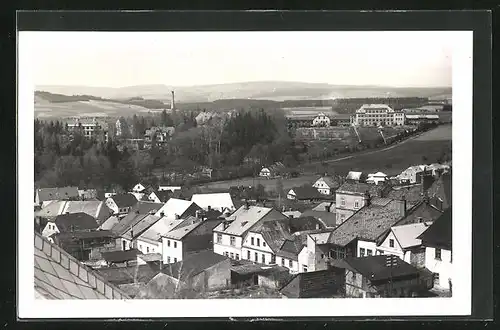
267, 90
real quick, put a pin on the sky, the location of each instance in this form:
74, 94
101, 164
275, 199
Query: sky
119, 59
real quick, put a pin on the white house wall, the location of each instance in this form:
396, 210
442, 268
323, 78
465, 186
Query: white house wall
443, 267
322, 187
174, 251
263, 246
294, 269
397, 250
225, 245
260, 253
367, 246
143, 245
112, 205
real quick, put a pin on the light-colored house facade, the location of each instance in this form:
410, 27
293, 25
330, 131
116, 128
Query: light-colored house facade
229, 235
376, 178
215, 201
321, 120
325, 186
257, 250
265, 172
439, 261
347, 203
138, 188
410, 175
169, 188
377, 115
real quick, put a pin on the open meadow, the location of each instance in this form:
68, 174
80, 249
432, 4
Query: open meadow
425, 148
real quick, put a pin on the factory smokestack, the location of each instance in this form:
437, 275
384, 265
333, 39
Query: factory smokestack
172, 102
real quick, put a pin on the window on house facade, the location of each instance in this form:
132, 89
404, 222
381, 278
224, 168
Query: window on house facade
436, 278
252, 241
304, 268
354, 277
263, 244
168, 260
290, 263
282, 261
369, 252
263, 258
258, 241
361, 252
437, 254
231, 255
168, 242
248, 255
147, 249
391, 243
256, 257
219, 238
342, 201
175, 259
226, 254
237, 256
232, 240
175, 245
356, 204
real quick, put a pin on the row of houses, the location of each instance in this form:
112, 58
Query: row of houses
366, 115
264, 246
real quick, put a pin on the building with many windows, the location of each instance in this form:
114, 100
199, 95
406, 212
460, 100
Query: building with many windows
89, 128
378, 115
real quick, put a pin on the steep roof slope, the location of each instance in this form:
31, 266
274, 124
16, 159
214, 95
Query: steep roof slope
58, 275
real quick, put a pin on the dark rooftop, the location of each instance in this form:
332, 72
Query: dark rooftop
124, 200
132, 274
439, 234
307, 192
193, 264
374, 268
75, 222
120, 256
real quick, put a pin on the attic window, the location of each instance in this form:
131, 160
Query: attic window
244, 223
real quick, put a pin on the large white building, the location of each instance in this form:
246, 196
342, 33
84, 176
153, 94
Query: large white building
89, 127
378, 115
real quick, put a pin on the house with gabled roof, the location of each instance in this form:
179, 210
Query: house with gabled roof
230, 234
437, 240
160, 196
352, 196
354, 176
304, 193
402, 241
376, 178
69, 223
216, 201
326, 283
121, 204
412, 174
383, 276
69, 278
193, 235
326, 185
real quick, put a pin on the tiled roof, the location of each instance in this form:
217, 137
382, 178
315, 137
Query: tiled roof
93, 208
374, 267
243, 219
411, 193
422, 212
124, 200
130, 274
330, 182
120, 256
174, 206
329, 219
63, 193
161, 228
442, 188
163, 195
379, 201
439, 234
361, 188
323, 205
193, 264
141, 226
109, 223
367, 223
84, 234
77, 221
407, 234
58, 275
52, 209
151, 257
214, 200
322, 237
129, 220
307, 192
180, 232
291, 247
144, 207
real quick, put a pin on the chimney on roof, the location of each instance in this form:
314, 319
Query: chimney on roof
67, 212
327, 208
209, 208
402, 206
177, 217
247, 205
162, 214
366, 198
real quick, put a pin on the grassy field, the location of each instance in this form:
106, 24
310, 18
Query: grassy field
391, 160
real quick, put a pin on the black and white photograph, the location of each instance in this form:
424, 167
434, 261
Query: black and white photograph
241, 173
